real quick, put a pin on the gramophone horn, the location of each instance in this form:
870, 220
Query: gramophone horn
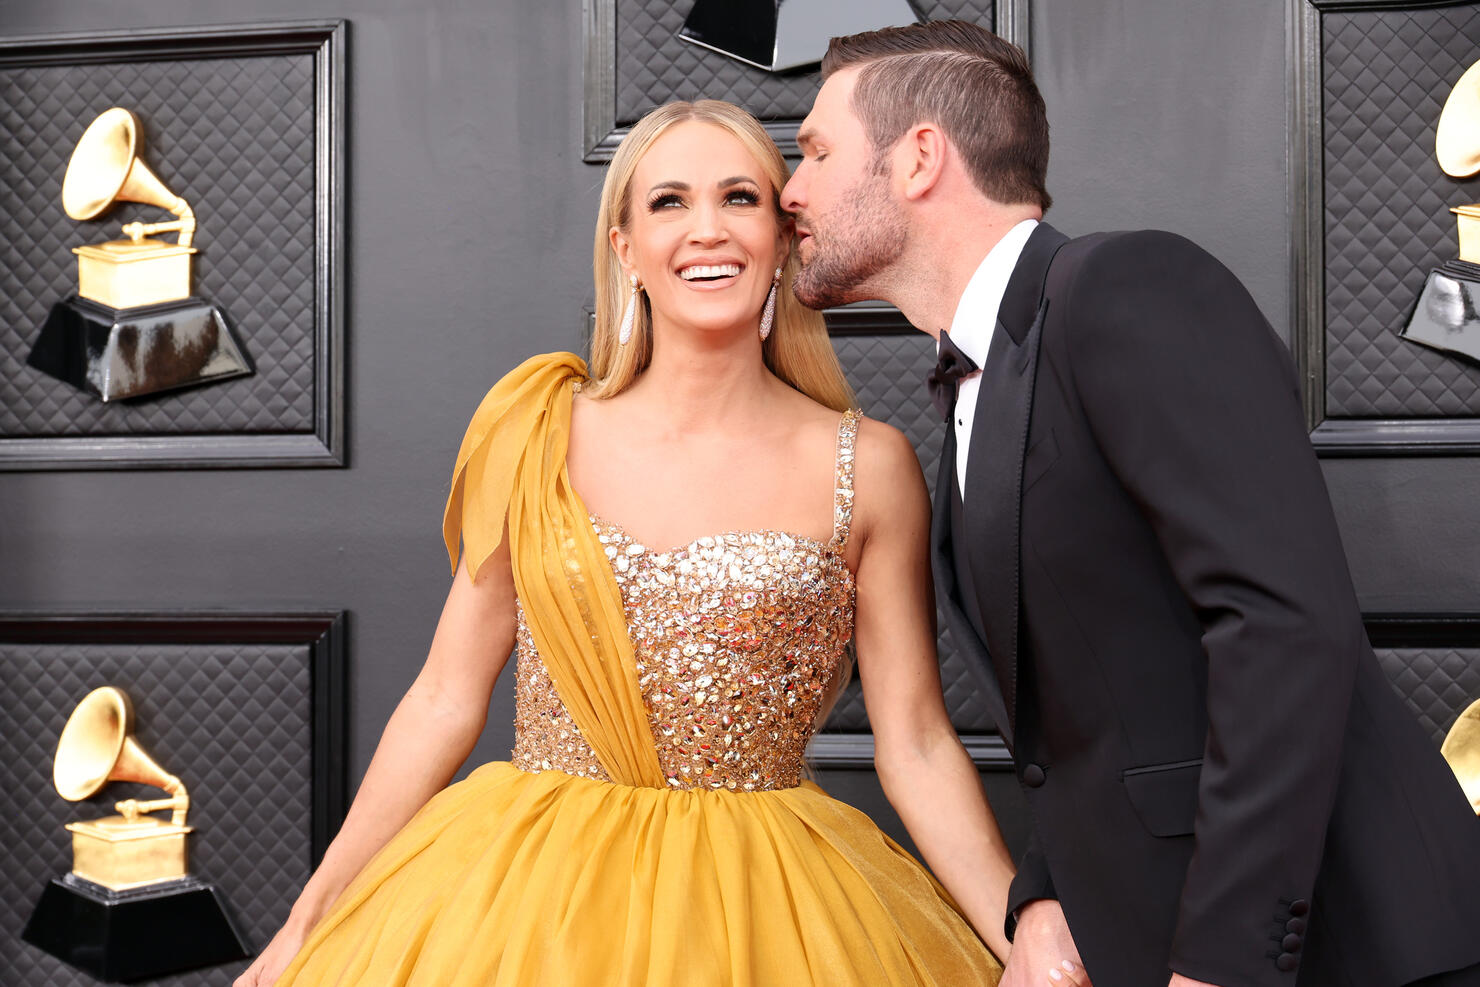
97, 746
1462, 750
106, 168
1457, 142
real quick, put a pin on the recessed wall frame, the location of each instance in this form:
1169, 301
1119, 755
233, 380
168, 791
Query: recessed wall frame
1381, 434
322, 633
315, 436
246, 707
603, 132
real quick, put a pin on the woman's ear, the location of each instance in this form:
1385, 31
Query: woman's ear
785, 236
622, 247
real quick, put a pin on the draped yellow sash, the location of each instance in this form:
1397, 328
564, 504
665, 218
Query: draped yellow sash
512, 465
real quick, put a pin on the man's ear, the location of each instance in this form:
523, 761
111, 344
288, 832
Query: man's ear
622, 247
920, 159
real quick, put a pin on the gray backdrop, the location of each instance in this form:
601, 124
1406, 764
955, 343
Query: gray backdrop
470, 220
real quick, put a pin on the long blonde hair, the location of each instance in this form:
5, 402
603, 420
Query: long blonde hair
798, 350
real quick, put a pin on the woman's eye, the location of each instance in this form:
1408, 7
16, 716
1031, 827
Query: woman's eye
664, 201
742, 197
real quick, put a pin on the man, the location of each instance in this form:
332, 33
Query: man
1134, 541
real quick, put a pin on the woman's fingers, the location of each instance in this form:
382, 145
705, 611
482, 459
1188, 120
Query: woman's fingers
1068, 974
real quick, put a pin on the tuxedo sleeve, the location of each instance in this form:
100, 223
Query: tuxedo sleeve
1031, 883
1193, 402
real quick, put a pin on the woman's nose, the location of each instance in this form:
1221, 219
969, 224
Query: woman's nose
707, 225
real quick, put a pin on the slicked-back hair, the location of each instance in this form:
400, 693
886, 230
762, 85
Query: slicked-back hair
972, 84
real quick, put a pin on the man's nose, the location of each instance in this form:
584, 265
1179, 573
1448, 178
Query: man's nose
793, 195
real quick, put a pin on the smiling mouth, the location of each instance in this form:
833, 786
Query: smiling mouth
709, 272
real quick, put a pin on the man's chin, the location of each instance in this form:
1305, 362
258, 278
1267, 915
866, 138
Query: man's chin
814, 293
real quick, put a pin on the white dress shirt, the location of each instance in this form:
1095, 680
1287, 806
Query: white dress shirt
972, 327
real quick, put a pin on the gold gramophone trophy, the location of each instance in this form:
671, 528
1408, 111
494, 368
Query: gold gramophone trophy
1462, 750
133, 328
130, 908
1447, 316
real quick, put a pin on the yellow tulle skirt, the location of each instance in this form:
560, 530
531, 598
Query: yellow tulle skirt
510, 878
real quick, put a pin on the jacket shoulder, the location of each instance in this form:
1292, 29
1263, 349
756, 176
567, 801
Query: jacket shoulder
1128, 249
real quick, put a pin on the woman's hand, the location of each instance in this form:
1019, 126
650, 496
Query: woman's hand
272, 961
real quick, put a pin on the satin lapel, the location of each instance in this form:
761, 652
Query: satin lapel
999, 441
947, 592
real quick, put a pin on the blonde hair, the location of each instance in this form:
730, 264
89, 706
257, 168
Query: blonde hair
798, 350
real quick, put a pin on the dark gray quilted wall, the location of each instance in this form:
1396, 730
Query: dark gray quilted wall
888, 374
233, 721
235, 138
1437, 683
654, 67
1386, 75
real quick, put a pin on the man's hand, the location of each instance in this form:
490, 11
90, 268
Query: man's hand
1180, 981
1043, 952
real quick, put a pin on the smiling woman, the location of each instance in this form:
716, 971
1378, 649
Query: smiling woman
652, 826
703, 136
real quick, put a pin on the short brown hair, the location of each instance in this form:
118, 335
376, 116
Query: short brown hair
975, 86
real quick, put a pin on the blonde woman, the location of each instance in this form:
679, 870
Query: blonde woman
682, 540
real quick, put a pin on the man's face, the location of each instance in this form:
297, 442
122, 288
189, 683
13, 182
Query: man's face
850, 228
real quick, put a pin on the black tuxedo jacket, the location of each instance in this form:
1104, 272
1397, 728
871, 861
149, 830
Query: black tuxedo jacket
1147, 572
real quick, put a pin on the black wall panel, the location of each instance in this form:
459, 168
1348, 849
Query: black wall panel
470, 224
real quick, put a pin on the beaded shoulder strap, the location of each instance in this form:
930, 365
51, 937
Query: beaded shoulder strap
843, 492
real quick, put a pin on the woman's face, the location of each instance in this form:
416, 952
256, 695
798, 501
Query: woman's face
704, 239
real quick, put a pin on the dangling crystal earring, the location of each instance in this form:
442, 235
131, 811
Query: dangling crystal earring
768, 314
625, 332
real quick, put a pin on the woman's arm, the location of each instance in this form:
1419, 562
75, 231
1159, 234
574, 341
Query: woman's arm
926, 773
428, 737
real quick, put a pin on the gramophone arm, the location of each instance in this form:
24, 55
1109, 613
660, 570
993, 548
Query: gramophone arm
179, 801
185, 224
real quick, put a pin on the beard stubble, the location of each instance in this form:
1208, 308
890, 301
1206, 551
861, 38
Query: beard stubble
851, 244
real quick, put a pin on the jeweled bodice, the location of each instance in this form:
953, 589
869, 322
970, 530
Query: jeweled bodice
738, 638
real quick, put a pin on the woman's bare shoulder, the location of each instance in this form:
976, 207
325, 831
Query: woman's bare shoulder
889, 487
886, 452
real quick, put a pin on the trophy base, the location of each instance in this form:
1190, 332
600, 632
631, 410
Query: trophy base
119, 936
117, 353
1447, 316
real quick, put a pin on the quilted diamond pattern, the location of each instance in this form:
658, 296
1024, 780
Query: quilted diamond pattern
1437, 683
888, 374
1386, 76
233, 721
235, 137
654, 67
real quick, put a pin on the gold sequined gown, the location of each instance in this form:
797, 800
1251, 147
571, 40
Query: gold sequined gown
652, 827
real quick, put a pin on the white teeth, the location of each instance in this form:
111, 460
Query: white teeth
710, 271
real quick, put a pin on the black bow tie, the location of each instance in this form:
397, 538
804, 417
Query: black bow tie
945, 380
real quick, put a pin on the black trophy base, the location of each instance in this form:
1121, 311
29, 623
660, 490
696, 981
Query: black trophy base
117, 353
1447, 316
121, 936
